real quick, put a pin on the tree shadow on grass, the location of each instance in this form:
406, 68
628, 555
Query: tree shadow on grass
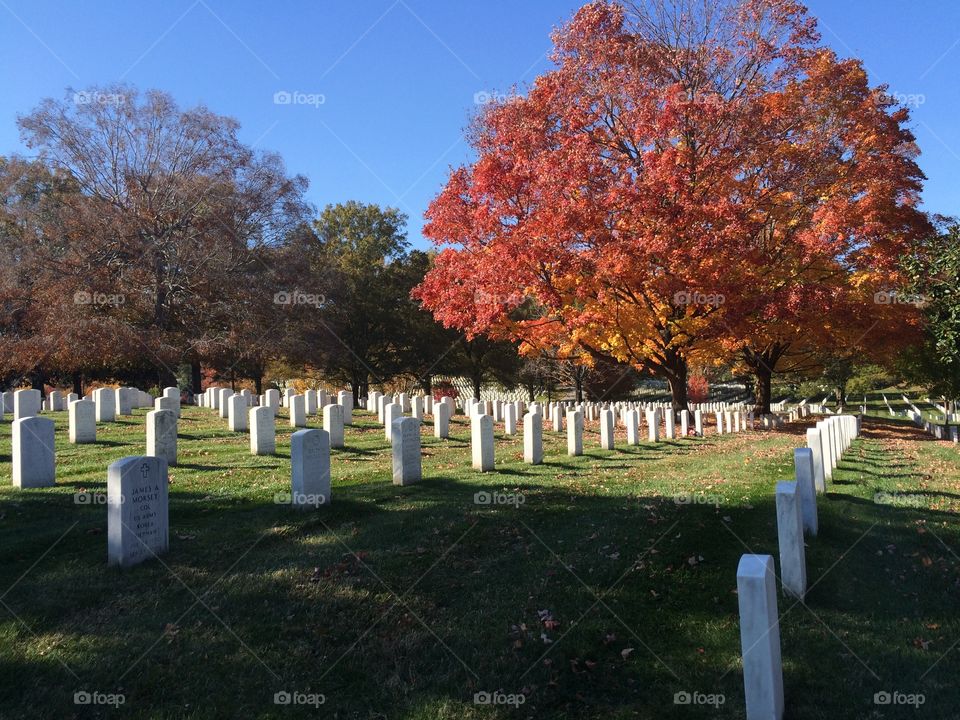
406, 600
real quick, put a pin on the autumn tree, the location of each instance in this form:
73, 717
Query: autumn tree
695, 181
169, 210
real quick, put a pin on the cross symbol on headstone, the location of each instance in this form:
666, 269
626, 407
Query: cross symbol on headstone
145, 470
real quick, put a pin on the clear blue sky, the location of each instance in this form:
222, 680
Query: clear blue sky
399, 78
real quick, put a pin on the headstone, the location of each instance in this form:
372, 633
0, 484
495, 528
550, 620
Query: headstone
309, 467
26, 403
390, 413
56, 400
574, 432
441, 420
669, 424
82, 415
345, 400
263, 431
382, 402
223, 402
105, 400
653, 425
481, 441
165, 403
827, 451
162, 435
298, 410
510, 419
333, 424
237, 413
684, 423
123, 401
405, 443
287, 394
607, 418
793, 566
803, 463
273, 400
633, 427
33, 453
137, 510
533, 438
698, 422
760, 638
416, 407
310, 402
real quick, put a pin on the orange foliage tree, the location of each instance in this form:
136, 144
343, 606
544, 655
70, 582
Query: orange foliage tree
693, 183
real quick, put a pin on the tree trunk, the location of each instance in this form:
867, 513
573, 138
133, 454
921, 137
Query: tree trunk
196, 377
477, 384
78, 384
675, 370
762, 364
761, 389
258, 383
578, 385
37, 380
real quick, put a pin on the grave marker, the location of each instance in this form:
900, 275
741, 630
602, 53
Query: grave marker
137, 510
405, 444
34, 463
309, 468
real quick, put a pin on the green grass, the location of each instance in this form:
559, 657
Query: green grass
597, 597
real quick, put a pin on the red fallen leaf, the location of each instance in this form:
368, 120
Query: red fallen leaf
590, 664
551, 624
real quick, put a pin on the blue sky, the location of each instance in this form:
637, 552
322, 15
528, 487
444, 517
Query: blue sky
398, 79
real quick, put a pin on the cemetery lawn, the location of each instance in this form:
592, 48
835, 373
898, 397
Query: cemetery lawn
598, 596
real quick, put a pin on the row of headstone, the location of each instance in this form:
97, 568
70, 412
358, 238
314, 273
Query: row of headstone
257, 416
33, 456
796, 503
940, 431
